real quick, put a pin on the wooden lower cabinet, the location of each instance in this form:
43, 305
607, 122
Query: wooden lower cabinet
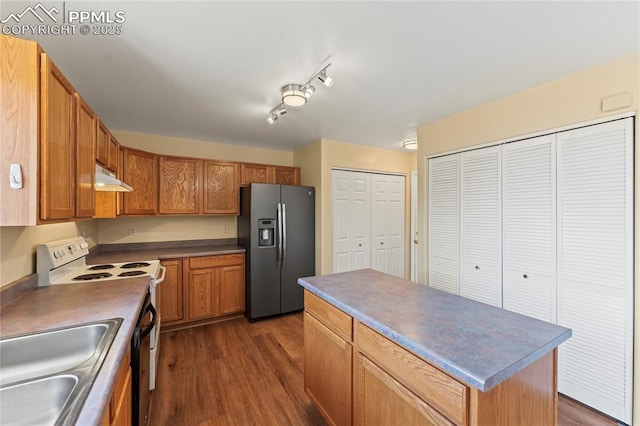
119, 412
327, 372
170, 293
231, 289
382, 400
367, 379
202, 288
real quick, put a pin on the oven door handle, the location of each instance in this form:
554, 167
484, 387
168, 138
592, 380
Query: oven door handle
152, 324
157, 281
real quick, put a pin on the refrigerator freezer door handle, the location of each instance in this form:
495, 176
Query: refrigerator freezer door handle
284, 235
279, 243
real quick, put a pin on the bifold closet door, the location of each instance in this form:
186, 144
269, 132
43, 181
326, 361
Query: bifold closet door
481, 226
351, 220
444, 210
387, 224
528, 227
595, 265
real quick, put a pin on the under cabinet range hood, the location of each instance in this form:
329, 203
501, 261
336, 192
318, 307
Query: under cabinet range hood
107, 181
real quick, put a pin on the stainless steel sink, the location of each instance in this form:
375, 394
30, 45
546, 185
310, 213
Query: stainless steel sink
36, 402
45, 377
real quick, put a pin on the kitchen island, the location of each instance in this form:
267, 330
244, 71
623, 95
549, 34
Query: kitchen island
383, 350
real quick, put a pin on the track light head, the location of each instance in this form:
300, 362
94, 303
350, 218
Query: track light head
324, 78
308, 90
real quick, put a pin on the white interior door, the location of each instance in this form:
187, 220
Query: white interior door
444, 210
351, 220
595, 265
414, 226
481, 226
528, 227
387, 223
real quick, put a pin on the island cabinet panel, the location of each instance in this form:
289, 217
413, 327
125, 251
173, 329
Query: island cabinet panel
328, 371
382, 400
57, 145
528, 398
170, 293
221, 187
430, 384
85, 164
337, 321
140, 171
179, 181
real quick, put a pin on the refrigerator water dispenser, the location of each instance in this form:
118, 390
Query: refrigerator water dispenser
266, 232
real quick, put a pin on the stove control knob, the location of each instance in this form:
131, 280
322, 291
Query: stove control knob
55, 254
84, 245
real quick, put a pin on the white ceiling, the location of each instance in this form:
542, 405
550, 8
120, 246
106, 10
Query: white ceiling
212, 70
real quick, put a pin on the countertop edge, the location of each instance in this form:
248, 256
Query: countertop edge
424, 353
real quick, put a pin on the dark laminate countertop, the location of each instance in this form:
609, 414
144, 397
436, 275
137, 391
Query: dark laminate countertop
478, 344
162, 253
65, 305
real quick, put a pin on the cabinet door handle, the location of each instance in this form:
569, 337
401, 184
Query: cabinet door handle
525, 276
381, 243
359, 245
477, 267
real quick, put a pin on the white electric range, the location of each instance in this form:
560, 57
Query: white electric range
64, 262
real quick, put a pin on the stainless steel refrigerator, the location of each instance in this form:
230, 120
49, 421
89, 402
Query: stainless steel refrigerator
277, 228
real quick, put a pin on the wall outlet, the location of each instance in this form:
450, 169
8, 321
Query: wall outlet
132, 230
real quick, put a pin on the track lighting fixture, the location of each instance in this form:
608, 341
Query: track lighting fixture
276, 113
298, 94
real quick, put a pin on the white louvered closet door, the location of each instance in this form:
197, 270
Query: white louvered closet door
528, 227
595, 265
481, 227
444, 223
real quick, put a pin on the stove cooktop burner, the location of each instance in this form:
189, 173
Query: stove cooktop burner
100, 267
134, 265
89, 277
131, 273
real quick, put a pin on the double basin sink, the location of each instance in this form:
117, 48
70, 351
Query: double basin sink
45, 377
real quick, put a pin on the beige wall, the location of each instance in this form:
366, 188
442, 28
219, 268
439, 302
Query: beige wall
309, 161
200, 149
18, 245
569, 100
324, 155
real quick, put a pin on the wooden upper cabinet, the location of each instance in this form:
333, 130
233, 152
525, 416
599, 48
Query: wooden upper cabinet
102, 144
85, 161
179, 180
286, 175
220, 187
57, 144
114, 154
140, 171
253, 173
265, 173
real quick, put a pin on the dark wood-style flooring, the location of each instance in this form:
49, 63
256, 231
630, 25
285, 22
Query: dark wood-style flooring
242, 373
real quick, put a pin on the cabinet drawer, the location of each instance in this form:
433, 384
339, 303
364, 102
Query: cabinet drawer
213, 261
430, 384
336, 320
